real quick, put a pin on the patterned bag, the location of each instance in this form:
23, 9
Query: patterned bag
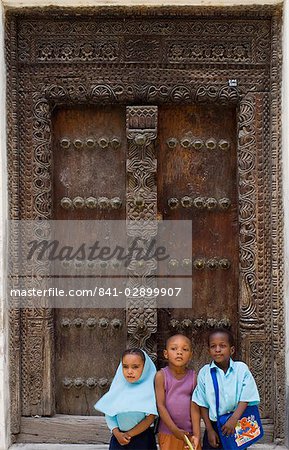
248, 429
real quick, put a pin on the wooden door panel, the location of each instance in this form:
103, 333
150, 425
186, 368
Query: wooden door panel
89, 168
197, 166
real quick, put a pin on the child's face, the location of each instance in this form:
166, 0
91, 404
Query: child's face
220, 348
178, 351
132, 367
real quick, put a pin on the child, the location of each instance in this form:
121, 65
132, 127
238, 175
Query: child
130, 405
174, 386
237, 388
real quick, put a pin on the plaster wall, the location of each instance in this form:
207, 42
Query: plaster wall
6, 4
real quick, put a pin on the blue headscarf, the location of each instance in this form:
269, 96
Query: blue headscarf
124, 396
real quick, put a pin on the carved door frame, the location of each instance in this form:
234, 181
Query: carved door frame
35, 87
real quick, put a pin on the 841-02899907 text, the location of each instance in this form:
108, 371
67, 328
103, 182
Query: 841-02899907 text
138, 292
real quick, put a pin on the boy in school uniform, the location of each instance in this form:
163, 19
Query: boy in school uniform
237, 388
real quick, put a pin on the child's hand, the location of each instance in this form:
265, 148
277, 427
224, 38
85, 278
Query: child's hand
229, 427
122, 438
195, 442
213, 438
179, 434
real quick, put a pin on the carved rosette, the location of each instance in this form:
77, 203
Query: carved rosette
141, 127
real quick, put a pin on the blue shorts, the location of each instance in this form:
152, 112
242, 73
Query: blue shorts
143, 441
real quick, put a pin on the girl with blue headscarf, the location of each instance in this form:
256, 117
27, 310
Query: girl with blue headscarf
130, 405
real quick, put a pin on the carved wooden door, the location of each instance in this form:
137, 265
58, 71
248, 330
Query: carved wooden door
208, 150
181, 166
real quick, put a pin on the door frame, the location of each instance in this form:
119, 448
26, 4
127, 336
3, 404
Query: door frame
33, 92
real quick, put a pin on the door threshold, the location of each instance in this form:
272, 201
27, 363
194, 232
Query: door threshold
82, 432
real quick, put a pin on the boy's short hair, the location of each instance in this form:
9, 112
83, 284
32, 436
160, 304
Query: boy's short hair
134, 351
229, 334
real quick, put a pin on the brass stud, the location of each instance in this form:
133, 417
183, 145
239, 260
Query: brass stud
211, 203
212, 264
187, 263
78, 383
116, 203
103, 202
65, 143
199, 203
224, 145
224, 203
65, 323
211, 322
78, 322
140, 139
66, 264
91, 202
103, 383
173, 203
172, 142
78, 202
198, 144
91, 264
103, 264
91, 322
78, 264
173, 264
66, 203
116, 324
211, 144
186, 323
90, 142
141, 325
224, 323
78, 143
115, 142
103, 142
199, 323
91, 383
139, 202
187, 202
185, 142
103, 323
224, 263
67, 383
199, 264
174, 323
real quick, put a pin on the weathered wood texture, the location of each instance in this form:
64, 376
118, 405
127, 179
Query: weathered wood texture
200, 171
92, 165
64, 429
